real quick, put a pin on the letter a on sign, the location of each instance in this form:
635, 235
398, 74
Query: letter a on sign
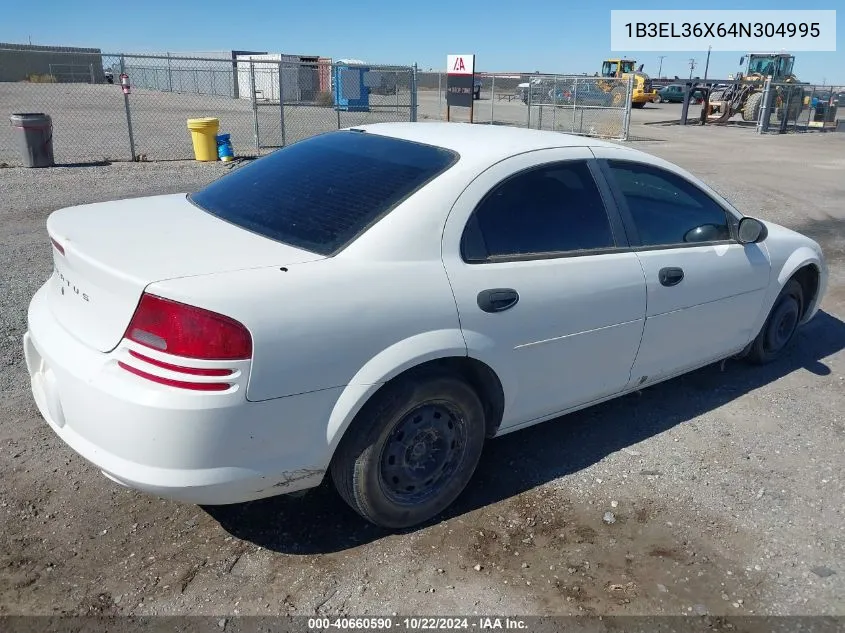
460, 64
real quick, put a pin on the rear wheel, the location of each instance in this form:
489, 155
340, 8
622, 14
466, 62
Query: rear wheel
780, 326
411, 450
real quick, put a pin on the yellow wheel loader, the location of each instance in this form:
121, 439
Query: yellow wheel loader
643, 92
745, 95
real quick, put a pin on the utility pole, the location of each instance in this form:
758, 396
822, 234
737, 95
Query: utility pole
660, 70
692, 65
707, 65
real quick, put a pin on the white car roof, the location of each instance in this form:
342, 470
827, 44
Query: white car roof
480, 142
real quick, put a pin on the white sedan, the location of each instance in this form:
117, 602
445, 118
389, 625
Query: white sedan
374, 303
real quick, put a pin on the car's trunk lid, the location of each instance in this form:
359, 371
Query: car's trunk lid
113, 250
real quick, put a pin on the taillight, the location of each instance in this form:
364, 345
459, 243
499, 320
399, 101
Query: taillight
184, 330
181, 384
193, 371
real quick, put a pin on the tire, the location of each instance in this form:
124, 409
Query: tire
387, 478
638, 106
751, 110
659, 99
779, 329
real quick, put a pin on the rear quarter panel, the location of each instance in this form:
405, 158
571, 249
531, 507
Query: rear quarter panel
332, 323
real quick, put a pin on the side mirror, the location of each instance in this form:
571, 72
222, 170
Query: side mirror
751, 231
705, 233
742, 60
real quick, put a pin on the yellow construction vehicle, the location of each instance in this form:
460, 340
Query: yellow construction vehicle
745, 95
643, 92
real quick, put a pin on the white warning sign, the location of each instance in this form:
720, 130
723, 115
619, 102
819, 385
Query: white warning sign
460, 64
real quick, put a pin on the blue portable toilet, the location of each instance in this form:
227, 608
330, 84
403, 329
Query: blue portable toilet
351, 93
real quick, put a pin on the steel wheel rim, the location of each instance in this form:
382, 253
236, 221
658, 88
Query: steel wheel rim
783, 325
422, 453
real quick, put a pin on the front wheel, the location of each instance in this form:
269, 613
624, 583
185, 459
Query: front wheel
780, 326
411, 451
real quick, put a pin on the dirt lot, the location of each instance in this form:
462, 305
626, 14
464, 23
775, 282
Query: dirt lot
725, 486
89, 121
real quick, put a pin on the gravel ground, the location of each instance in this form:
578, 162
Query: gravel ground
717, 493
89, 121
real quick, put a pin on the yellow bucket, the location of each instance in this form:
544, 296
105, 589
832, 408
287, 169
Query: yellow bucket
204, 137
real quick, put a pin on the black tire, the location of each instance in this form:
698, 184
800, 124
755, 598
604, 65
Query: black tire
779, 329
751, 109
387, 478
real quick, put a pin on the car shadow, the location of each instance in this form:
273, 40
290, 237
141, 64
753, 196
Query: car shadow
320, 522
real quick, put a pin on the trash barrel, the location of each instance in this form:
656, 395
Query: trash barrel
35, 138
204, 137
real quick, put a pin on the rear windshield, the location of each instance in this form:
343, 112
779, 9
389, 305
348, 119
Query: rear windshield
321, 193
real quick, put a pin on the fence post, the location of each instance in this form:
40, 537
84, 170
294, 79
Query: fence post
765, 108
554, 104
439, 95
492, 99
254, 105
128, 113
810, 107
282, 103
626, 115
784, 121
169, 75
91, 66
540, 113
413, 94
528, 114
574, 104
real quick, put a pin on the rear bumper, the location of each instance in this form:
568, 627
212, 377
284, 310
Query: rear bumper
204, 448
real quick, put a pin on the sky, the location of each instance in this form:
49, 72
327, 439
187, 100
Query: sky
562, 36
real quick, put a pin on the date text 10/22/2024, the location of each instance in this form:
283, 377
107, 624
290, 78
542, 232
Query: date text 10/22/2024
417, 624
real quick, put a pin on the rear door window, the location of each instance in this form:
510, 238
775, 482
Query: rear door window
321, 193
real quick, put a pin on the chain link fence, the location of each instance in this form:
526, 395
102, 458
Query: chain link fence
789, 107
573, 104
774, 107
262, 103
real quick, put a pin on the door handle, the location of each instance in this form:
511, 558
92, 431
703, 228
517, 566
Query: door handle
670, 276
497, 299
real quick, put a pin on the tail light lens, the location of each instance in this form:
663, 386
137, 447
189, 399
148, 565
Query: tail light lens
187, 331
179, 384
